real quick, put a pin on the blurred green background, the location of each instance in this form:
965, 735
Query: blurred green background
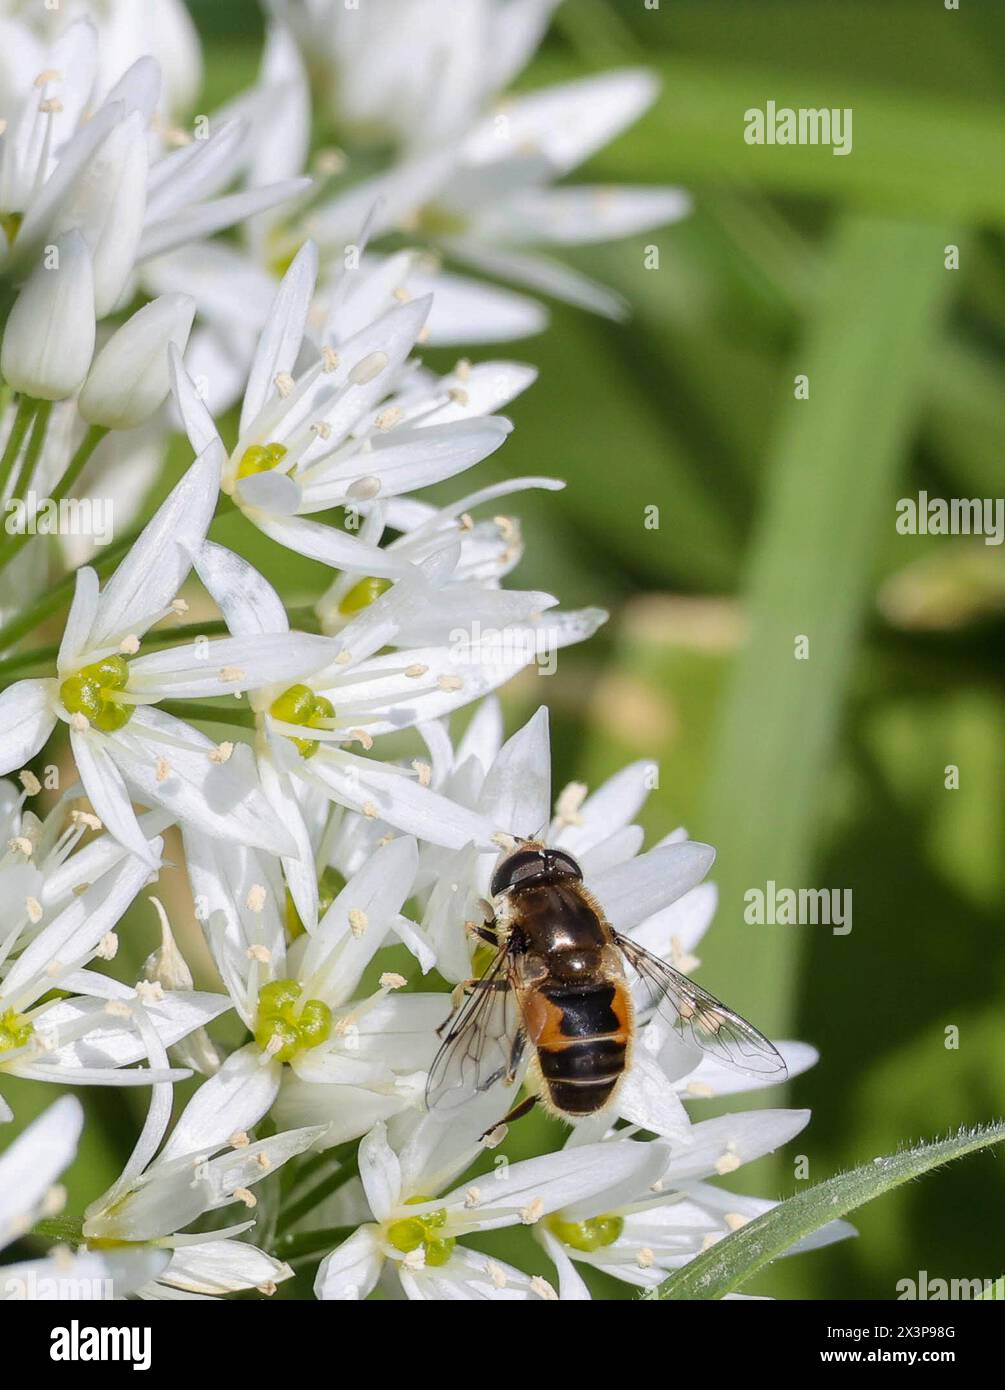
777, 520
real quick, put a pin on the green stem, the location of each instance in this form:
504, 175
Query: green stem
298, 1247
32, 454
210, 714
90, 442
26, 408
342, 1174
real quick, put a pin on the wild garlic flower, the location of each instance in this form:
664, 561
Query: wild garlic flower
318, 1054
30, 1192
330, 436
420, 71
197, 1171
306, 729
163, 29
472, 182
64, 1023
66, 165
106, 694
412, 1238
640, 1232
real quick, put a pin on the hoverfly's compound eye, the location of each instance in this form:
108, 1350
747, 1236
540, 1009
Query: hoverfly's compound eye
533, 865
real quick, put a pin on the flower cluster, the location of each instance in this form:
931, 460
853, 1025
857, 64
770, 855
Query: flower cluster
326, 822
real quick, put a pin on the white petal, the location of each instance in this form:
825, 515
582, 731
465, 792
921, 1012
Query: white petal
552, 1182
543, 274
377, 892
198, 669
33, 1162
107, 792
517, 789
231, 1102
26, 721
221, 799
680, 926
248, 602
107, 1274
571, 1285
629, 893
581, 215
351, 1271
328, 545
218, 1267
207, 218
280, 341
75, 932
569, 121
721, 1145
648, 1099
149, 578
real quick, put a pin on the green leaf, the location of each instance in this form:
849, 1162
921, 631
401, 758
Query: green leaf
829, 501
732, 1261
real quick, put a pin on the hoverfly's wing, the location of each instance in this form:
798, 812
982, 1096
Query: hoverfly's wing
698, 1016
483, 1042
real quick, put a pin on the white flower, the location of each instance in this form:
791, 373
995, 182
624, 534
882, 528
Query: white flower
412, 1237
486, 551
307, 729
197, 1171
122, 745
341, 1061
48, 340
127, 32
64, 167
640, 1231
474, 183
130, 378
329, 436
95, 1034
419, 70
29, 1192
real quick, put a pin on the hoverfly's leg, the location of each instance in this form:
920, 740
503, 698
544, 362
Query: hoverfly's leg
460, 992
515, 1057
486, 932
517, 1113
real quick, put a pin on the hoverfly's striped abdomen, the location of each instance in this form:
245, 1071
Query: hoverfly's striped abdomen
582, 1034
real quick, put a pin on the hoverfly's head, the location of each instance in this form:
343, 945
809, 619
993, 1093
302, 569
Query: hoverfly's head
531, 864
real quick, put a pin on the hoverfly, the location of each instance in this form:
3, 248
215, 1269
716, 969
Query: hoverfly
558, 981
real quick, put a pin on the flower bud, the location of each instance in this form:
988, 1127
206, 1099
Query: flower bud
130, 378
49, 338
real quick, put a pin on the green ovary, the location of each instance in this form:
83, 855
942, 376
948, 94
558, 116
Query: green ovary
91, 690
435, 221
15, 1031
423, 1232
284, 1026
330, 885
10, 224
589, 1235
300, 705
361, 595
261, 458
